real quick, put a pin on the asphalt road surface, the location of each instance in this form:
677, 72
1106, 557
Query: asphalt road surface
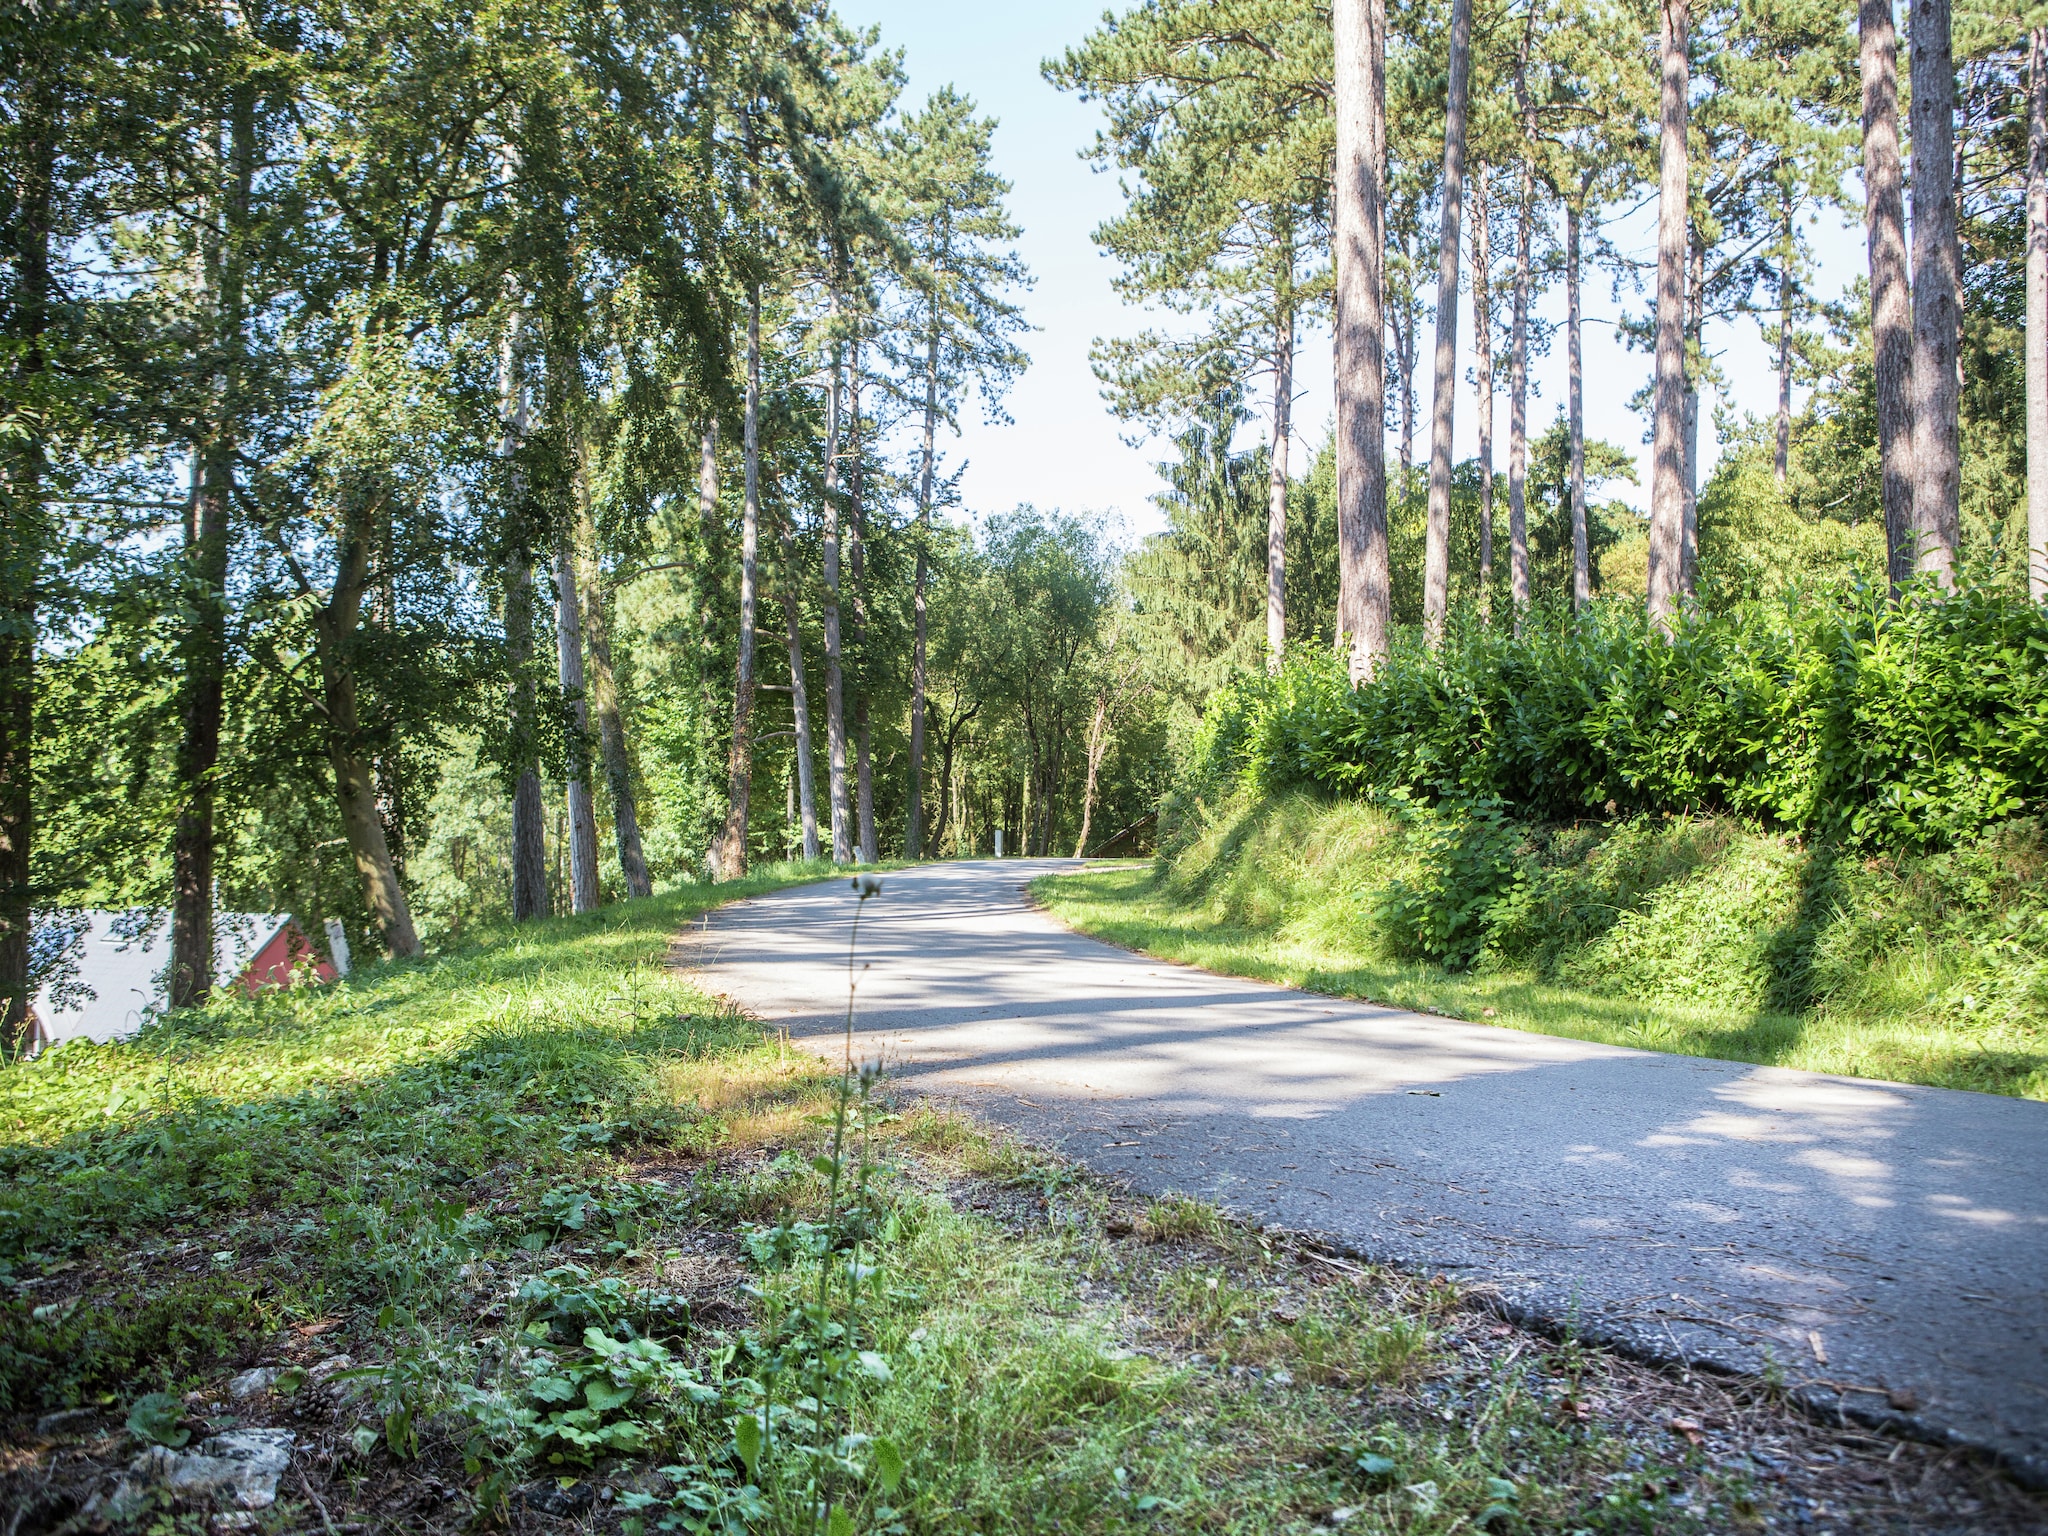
1884, 1246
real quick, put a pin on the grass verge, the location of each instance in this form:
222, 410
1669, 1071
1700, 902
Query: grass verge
1700, 938
537, 1236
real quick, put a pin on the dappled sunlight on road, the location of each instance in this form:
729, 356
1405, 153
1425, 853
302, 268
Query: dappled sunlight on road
1852, 1232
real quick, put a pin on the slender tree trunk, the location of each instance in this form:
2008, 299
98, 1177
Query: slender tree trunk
611, 725
1276, 482
1098, 741
529, 816
857, 551
1937, 292
39, 125
1518, 403
206, 555
800, 710
835, 686
1364, 617
1405, 318
1695, 341
1891, 305
2037, 314
1667, 478
1575, 389
584, 893
529, 823
732, 859
1482, 377
1436, 581
1781, 464
913, 837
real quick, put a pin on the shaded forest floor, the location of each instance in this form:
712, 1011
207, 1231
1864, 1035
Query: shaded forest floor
1701, 938
537, 1236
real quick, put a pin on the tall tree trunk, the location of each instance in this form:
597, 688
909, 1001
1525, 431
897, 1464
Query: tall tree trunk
913, 836
584, 892
1575, 389
1518, 343
1406, 316
2037, 314
1937, 292
1667, 476
835, 687
1364, 615
529, 822
1891, 305
732, 853
1098, 742
799, 702
611, 725
1695, 351
39, 126
857, 551
206, 556
1781, 463
1518, 403
1482, 377
1276, 480
1436, 580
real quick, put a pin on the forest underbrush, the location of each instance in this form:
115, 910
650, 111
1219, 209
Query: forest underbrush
537, 1236
1698, 935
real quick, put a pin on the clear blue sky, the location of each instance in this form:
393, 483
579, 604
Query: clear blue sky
1064, 449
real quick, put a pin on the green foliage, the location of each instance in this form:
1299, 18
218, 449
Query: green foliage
1466, 856
1832, 713
1693, 934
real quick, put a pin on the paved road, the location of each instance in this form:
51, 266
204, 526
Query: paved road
1885, 1242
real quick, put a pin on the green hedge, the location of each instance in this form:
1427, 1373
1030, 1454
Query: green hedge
1838, 714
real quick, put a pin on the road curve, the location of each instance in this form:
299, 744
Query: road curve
1885, 1246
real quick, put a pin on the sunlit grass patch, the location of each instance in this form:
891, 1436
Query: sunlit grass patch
1699, 938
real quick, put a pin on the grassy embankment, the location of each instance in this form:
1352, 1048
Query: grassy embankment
537, 1234
1695, 936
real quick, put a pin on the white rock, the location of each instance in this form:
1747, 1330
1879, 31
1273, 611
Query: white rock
250, 1383
242, 1465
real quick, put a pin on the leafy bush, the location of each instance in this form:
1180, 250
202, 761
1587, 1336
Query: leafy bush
1836, 713
1468, 856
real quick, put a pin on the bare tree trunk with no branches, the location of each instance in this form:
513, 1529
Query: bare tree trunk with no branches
1482, 377
1436, 581
913, 839
1891, 304
1667, 478
835, 684
799, 706
583, 882
1518, 403
1937, 287
1364, 618
2037, 314
857, 560
1575, 368
611, 725
529, 821
732, 848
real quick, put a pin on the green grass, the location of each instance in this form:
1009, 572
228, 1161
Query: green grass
578, 1226
1701, 938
